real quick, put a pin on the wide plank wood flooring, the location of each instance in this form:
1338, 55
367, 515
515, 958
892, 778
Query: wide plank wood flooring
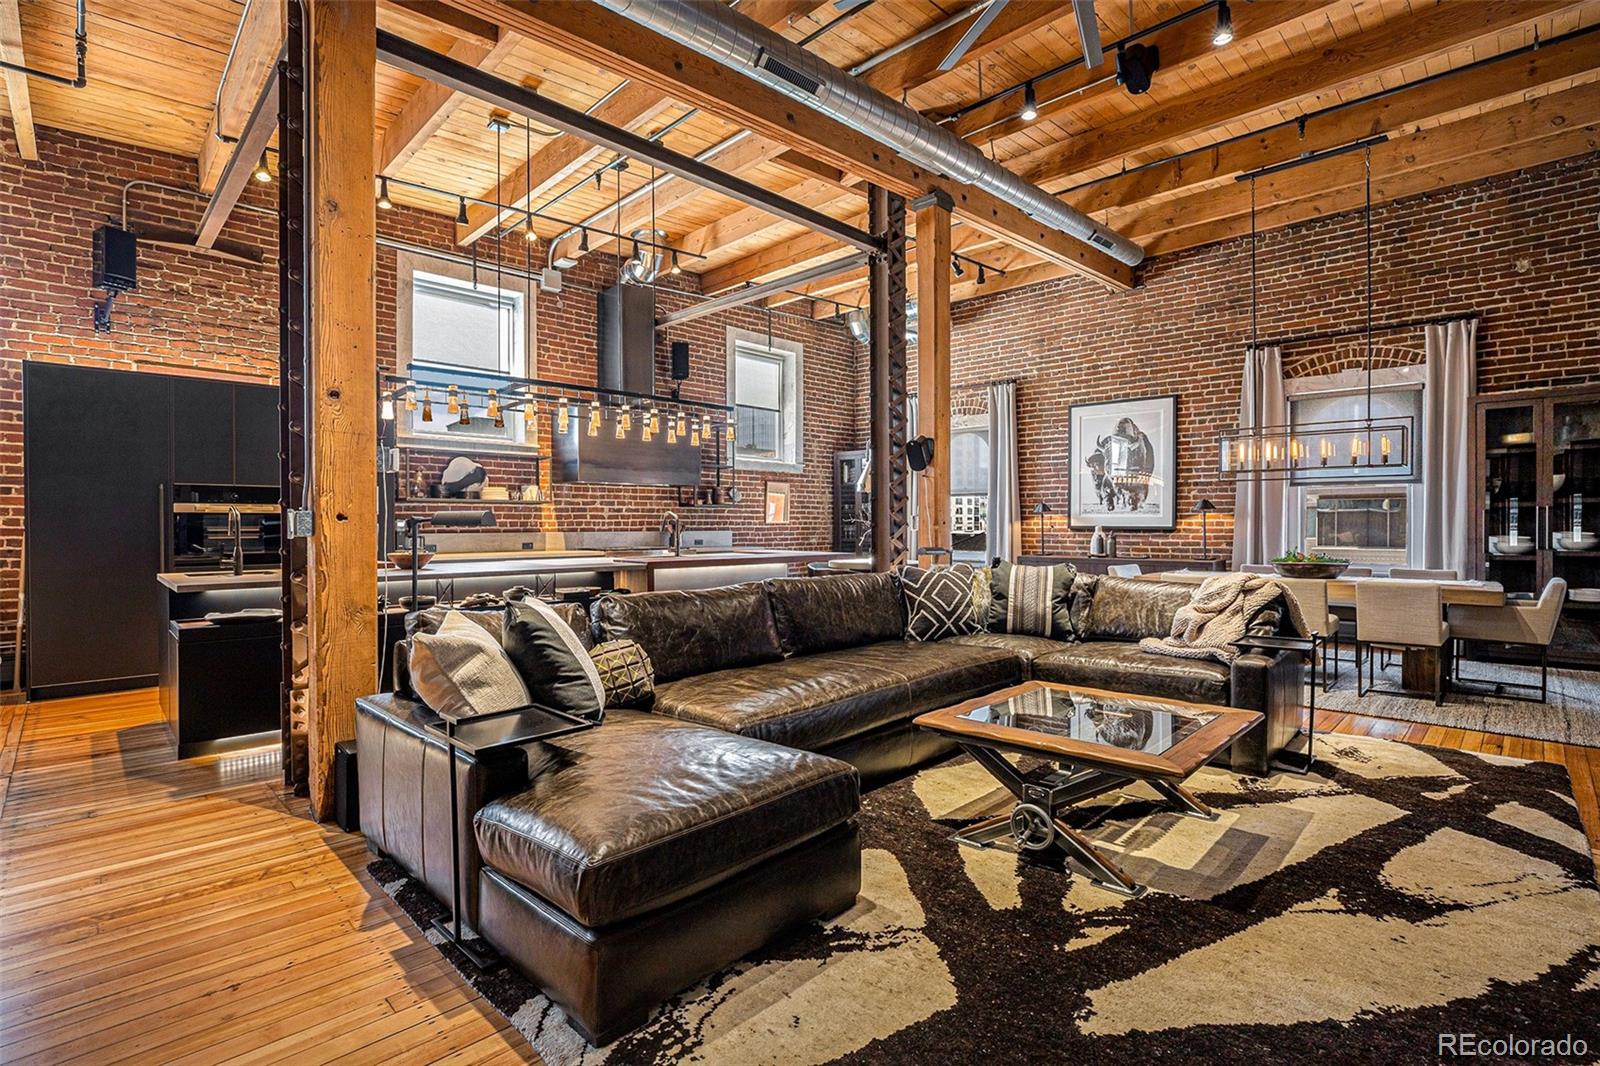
153, 910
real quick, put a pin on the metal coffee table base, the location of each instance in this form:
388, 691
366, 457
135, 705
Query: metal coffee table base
1035, 823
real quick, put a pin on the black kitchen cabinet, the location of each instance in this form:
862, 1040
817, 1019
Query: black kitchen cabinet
202, 431
255, 435
97, 445
99, 449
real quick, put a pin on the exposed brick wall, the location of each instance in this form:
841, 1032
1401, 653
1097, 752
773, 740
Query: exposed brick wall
201, 314
1523, 251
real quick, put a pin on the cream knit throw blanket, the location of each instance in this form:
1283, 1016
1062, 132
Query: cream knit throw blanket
1207, 626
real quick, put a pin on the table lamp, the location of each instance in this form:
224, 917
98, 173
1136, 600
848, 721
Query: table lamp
458, 519
1041, 509
1204, 509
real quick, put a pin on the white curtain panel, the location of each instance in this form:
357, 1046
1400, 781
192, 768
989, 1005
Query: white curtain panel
1450, 373
1005, 503
912, 478
1261, 505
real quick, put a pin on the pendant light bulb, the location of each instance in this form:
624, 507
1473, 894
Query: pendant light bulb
261, 174
466, 413
384, 203
427, 406
1224, 31
528, 234
594, 418
493, 408
1030, 103
622, 424
411, 396
677, 268
453, 404
563, 419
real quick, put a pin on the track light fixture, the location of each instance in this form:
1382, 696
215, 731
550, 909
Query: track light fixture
1030, 103
676, 268
384, 203
1224, 31
955, 265
461, 211
583, 239
261, 173
982, 275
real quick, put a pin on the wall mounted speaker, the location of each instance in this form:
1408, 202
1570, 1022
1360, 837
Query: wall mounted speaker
116, 260
1136, 64
680, 360
919, 453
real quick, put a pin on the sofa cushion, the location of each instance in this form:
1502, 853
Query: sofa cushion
643, 811
815, 701
1125, 608
939, 601
1033, 600
817, 614
626, 674
693, 632
1026, 648
461, 669
551, 658
1124, 667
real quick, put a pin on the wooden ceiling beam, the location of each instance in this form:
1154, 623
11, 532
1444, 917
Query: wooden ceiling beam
1362, 55
1422, 150
258, 129
749, 222
609, 40
1180, 45
964, 239
259, 46
16, 82
919, 64
1509, 76
452, 20
431, 106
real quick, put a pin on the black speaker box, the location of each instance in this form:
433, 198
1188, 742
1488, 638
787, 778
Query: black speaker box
116, 259
680, 360
346, 787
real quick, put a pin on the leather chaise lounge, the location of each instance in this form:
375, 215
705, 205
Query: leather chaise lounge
620, 865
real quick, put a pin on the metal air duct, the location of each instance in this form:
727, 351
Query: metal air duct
740, 43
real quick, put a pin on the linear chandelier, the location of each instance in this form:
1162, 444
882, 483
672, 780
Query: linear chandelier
1348, 449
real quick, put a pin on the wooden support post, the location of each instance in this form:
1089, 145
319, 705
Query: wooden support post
887, 358
342, 560
933, 367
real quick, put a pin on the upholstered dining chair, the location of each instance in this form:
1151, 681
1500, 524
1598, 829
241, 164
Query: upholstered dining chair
1312, 596
1524, 622
1124, 570
1257, 568
1406, 573
1398, 616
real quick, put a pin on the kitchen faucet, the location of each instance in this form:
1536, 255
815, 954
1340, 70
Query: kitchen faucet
672, 530
236, 531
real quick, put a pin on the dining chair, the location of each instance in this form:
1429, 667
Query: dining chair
1398, 616
1257, 568
1405, 573
1356, 571
1312, 596
1124, 570
1527, 622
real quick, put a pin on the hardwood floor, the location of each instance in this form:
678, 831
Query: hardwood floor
158, 911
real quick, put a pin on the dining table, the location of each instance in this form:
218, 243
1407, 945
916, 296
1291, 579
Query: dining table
1418, 666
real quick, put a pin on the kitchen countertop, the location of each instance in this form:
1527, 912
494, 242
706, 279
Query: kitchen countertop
510, 564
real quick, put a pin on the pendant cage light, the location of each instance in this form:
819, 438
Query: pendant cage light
1334, 450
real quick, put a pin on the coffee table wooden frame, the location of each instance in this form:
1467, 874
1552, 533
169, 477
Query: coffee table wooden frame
1087, 770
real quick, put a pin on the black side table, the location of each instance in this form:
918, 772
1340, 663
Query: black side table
480, 734
1308, 647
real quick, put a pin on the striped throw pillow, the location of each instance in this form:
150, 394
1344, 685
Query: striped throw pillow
1036, 600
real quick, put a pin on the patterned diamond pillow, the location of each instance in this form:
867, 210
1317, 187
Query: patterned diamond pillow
625, 672
939, 602
1036, 600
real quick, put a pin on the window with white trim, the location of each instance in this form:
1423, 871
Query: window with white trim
969, 487
764, 388
457, 324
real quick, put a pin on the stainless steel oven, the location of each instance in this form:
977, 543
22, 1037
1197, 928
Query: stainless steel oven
199, 527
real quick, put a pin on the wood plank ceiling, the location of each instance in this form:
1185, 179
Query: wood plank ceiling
153, 72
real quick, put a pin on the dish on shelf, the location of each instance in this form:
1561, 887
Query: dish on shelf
401, 559
496, 492
1513, 439
1520, 546
1582, 542
1584, 595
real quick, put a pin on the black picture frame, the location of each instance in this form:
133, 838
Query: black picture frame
1087, 498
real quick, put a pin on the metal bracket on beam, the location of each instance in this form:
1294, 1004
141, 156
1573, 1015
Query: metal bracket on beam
936, 198
412, 58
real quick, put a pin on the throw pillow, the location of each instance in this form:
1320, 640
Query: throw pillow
982, 594
552, 660
939, 602
625, 672
460, 669
1036, 600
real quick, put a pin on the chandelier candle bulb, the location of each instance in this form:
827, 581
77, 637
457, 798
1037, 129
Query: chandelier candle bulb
427, 406
465, 408
563, 418
454, 403
411, 396
493, 409
594, 418
1384, 447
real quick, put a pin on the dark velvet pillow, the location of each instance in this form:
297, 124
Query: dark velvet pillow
552, 660
1036, 600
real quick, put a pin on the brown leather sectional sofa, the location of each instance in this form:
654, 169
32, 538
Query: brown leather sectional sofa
618, 866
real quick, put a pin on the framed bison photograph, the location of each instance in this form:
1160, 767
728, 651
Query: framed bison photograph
1124, 464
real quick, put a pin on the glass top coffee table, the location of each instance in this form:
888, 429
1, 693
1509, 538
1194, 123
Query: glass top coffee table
1097, 741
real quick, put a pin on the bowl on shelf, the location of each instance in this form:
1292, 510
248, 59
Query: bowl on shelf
1520, 546
1511, 440
1584, 595
1576, 542
1310, 570
402, 559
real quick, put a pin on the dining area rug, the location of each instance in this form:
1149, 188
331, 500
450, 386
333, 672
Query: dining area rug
1350, 915
1571, 714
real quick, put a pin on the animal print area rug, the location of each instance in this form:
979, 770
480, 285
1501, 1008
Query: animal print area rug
1354, 916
